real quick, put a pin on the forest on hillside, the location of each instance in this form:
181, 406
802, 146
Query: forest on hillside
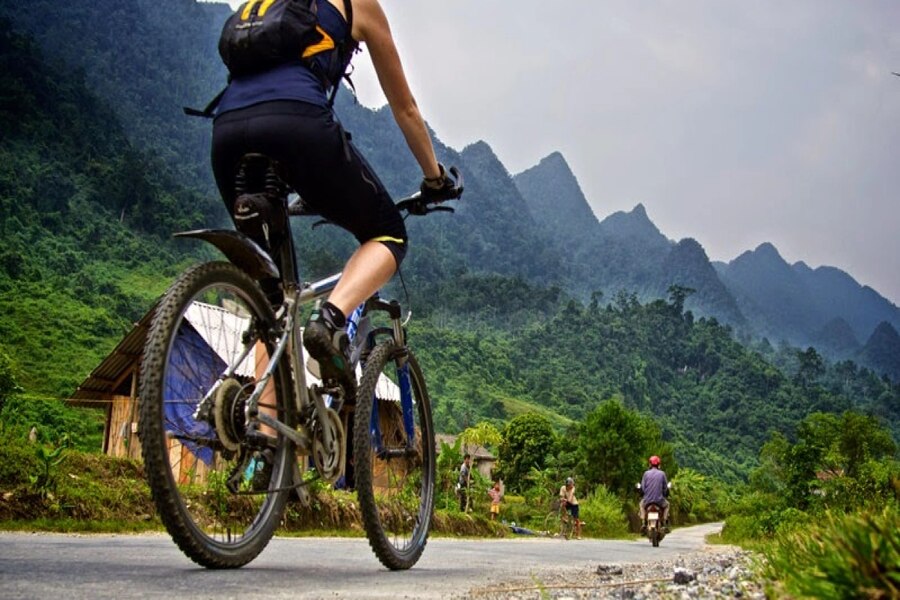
89, 205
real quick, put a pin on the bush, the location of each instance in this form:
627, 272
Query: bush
844, 556
52, 418
603, 514
696, 498
17, 457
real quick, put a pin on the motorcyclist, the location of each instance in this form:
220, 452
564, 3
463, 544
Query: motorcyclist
654, 489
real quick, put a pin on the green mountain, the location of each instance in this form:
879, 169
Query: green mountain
882, 351
771, 294
85, 221
836, 340
502, 325
625, 252
835, 294
145, 60
797, 304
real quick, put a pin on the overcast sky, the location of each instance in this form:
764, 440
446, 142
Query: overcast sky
733, 122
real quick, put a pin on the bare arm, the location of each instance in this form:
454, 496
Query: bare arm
370, 25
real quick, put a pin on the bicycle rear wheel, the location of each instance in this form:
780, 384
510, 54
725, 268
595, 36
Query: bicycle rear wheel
394, 456
215, 480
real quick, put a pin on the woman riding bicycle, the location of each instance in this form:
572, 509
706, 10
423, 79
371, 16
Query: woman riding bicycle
285, 114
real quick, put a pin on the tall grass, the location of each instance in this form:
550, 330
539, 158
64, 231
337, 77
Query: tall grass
603, 514
841, 556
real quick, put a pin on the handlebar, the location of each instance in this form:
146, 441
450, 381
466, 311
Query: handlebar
418, 204
421, 204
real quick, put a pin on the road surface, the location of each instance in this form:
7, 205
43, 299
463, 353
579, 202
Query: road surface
142, 566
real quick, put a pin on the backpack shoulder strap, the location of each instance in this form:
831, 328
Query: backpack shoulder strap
345, 52
210, 111
348, 11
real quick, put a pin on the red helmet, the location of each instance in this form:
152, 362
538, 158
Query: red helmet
654, 460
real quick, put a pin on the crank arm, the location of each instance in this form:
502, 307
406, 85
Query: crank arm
302, 441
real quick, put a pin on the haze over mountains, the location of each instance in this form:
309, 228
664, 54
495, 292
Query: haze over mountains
536, 225
758, 292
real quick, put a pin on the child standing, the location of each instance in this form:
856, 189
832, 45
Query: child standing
495, 493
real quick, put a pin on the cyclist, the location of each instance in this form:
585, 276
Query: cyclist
654, 489
569, 502
284, 113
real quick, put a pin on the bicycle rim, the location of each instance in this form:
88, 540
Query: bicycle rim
212, 488
394, 472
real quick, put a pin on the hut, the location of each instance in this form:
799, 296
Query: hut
114, 382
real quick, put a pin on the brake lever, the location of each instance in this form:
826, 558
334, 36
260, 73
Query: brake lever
441, 209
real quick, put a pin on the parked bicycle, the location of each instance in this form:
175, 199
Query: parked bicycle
558, 522
228, 416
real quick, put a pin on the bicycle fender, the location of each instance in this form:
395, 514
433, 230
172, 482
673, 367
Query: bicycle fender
239, 249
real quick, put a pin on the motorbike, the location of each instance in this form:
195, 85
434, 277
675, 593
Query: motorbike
653, 526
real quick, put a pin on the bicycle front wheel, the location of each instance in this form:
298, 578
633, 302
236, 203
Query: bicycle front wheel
218, 481
394, 456
551, 523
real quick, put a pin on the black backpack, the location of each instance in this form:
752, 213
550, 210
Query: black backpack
262, 34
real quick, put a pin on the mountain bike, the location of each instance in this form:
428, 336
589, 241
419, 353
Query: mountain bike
230, 419
558, 522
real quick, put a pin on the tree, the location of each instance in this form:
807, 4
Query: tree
482, 435
528, 440
615, 443
677, 295
831, 451
811, 367
8, 385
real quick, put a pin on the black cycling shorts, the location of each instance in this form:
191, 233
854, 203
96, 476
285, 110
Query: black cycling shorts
319, 162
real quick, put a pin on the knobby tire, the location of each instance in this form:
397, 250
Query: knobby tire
208, 541
397, 541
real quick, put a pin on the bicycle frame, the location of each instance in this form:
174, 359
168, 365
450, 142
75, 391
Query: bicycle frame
310, 400
253, 260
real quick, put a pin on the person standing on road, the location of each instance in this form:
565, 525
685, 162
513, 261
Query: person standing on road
462, 485
570, 503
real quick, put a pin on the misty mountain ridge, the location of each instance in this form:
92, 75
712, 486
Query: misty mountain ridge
882, 351
758, 292
795, 302
536, 225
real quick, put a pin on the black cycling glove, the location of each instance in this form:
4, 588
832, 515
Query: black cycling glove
439, 188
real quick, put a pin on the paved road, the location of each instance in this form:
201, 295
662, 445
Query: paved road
103, 566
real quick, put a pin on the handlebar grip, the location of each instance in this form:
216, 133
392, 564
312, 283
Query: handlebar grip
421, 203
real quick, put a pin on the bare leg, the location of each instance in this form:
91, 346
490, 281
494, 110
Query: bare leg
370, 267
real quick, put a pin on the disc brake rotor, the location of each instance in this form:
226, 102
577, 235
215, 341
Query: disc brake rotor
328, 458
228, 413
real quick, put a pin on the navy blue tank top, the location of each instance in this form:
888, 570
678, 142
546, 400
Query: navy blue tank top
294, 80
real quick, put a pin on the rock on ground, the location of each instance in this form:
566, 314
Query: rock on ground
714, 573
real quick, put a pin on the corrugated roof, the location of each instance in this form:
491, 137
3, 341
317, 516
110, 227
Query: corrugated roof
110, 376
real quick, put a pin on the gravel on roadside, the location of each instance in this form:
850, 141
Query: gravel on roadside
713, 573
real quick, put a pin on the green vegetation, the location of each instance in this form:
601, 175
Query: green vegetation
524, 355
50, 486
824, 508
839, 556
